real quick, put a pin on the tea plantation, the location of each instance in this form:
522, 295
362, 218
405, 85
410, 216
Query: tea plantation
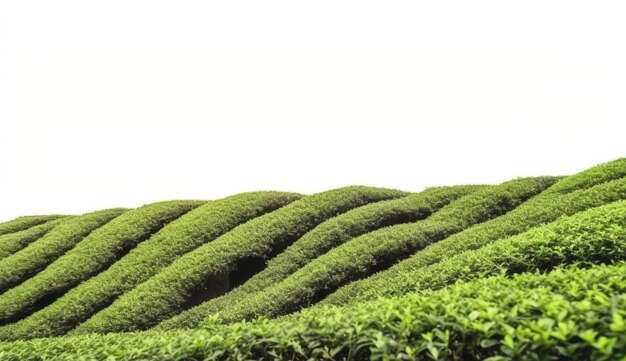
529, 269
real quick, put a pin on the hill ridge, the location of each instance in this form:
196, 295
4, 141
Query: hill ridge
169, 268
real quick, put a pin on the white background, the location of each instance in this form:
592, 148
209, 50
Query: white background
120, 103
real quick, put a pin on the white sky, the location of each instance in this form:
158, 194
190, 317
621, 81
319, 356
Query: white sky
120, 103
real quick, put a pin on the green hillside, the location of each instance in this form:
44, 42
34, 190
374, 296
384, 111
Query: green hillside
529, 269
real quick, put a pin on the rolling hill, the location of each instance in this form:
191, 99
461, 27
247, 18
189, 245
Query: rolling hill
532, 268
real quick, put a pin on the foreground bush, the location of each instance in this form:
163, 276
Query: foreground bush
568, 314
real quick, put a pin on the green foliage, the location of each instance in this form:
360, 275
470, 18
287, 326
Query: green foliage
182, 235
25, 222
362, 255
322, 238
21, 265
468, 281
593, 236
593, 176
94, 253
167, 292
13, 242
567, 314
544, 208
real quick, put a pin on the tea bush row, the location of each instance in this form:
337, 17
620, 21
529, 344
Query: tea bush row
166, 293
597, 235
322, 238
182, 235
25, 222
363, 255
571, 313
13, 242
94, 253
23, 264
544, 208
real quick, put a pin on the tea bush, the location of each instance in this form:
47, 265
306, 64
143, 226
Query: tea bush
25, 222
91, 255
13, 242
360, 256
572, 313
544, 208
166, 293
322, 238
25, 263
182, 235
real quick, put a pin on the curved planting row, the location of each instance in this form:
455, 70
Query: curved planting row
567, 314
90, 256
593, 176
21, 265
25, 222
169, 291
541, 209
593, 236
13, 242
365, 254
182, 235
322, 238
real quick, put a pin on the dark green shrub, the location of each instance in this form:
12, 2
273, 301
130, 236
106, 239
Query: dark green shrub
322, 238
565, 315
25, 222
365, 254
597, 235
182, 235
167, 293
91, 255
13, 242
23, 264
541, 209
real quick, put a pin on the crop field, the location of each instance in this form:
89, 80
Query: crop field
529, 269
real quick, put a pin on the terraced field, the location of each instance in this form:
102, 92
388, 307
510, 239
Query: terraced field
533, 268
